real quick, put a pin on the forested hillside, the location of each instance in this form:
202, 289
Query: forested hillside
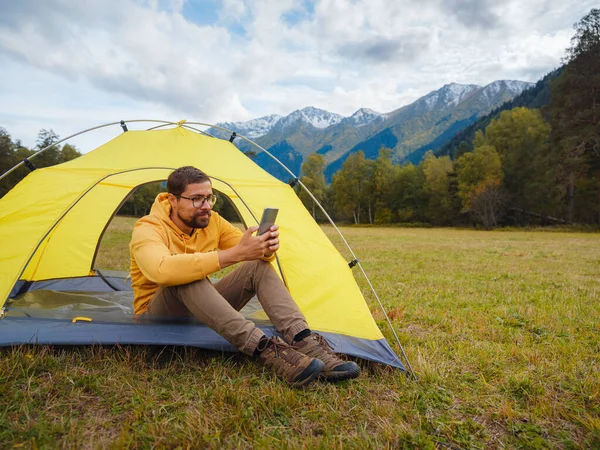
536, 97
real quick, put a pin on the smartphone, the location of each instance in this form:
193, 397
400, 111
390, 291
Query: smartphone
268, 220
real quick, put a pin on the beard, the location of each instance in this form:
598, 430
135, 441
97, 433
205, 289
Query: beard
200, 220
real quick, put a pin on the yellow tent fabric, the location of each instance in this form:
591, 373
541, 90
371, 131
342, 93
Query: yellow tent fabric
51, 222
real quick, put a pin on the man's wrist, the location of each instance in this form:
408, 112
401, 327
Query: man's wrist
228, 257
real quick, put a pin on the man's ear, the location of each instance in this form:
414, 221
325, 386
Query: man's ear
172, 200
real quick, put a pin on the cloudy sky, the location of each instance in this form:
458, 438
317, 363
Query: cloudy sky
73, 64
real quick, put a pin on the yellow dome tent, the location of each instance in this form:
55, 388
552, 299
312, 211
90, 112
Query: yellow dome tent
52, 222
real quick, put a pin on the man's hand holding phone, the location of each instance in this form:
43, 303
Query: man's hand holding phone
269, 230
272, 240
251, 247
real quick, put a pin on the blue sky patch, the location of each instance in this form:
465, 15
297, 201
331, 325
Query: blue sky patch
302, 13
202, 12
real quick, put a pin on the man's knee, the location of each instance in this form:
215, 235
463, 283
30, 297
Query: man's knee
260, 266
192, 287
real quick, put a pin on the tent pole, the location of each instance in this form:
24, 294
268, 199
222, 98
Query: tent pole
389, 322
52, 145
77, 134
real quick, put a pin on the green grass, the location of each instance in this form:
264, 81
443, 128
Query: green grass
502, 328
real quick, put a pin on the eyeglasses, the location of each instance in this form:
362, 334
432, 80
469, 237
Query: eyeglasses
198, 202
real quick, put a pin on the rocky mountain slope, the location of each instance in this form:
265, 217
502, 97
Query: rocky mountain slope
410, 131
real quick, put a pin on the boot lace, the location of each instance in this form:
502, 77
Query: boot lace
318, 347
323, 342
283, 353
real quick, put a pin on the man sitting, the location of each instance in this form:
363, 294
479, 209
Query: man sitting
182, 241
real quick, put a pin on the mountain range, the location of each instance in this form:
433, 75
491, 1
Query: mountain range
410, 131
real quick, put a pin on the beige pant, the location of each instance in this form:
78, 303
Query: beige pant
218, 305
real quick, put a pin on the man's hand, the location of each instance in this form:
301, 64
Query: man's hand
251, 247
273, 240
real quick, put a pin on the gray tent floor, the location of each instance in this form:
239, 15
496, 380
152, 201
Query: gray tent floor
99, 310
93, 298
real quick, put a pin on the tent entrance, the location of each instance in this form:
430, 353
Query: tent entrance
106, 294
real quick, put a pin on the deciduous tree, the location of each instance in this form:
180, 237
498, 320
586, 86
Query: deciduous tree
479, 175
350, 187
439, 209
521, 138
314, 179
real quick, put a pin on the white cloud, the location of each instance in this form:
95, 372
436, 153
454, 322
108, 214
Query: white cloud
233, 11
261, 57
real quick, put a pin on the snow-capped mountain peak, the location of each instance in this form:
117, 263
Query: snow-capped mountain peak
253, 128
363, 116
450, 95
318, 118
511, 87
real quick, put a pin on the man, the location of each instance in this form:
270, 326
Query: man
182, 241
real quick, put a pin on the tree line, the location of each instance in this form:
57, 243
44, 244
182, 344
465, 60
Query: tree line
13, 152
505, 179
528, 166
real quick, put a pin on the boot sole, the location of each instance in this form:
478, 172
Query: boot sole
312, 371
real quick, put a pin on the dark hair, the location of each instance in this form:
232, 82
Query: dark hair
180, 178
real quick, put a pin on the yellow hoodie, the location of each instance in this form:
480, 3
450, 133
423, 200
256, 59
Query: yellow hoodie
163, 255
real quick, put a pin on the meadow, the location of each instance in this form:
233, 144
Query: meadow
501, 327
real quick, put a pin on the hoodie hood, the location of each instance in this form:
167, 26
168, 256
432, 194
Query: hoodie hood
161, 209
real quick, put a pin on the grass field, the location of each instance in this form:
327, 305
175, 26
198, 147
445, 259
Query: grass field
502, 328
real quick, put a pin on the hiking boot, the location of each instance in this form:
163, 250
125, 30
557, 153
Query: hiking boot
336, 369
291, 365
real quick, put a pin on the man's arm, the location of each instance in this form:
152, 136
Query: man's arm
157, 263
251, 247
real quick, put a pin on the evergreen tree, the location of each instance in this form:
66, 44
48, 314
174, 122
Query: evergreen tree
575, 119
521, 138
